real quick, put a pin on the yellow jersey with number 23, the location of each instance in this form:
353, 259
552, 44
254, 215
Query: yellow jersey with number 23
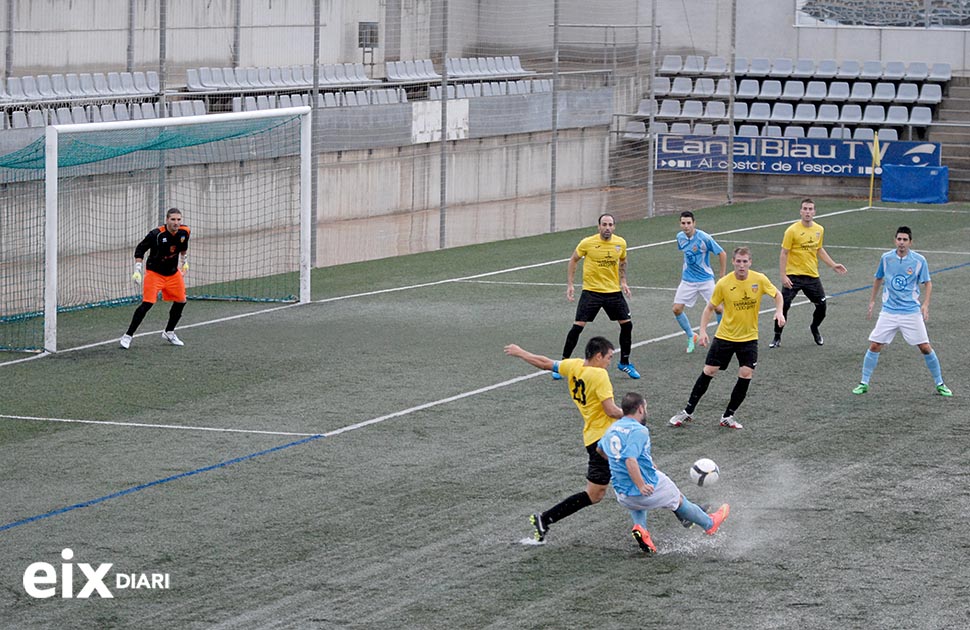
588, 387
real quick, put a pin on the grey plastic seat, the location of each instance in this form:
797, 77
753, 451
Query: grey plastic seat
828, 113
888, 134
428, 71
759, 112
907, 93
263, 78
107, 113
127, 83
771, 131
781, 68
851, 114
249, 104
740, 111
286, 76
723, 89
871, 70
770, 90
151, 77
276, 77
114, 84
724, 129
874, 115
193, 80
884, 93
748, 89
917, 71
782, 113
815, 91
30, 90
794, 131
263, 102
863, 133
659, 126
817, 132
141, 82
18, 119
840, 133
121, 112
839, 92
78, 114
940, 73
759, 67
849, 70
669, 108
340, 74
749, 131
716, 66
681, 87
703, 88
692, 110
894, 71
44, 86
62, 116
634, 130
671, 64
36, 117
740, 66
715, 110
827, 69
252, 75
930, 94
693, 65
648, 107
897, 115
861, 92
804, 113
803, 69
920, 116
101, 84
680, 128
661, 86
73, 85
364, 98
86, 83
794, 90
703, 129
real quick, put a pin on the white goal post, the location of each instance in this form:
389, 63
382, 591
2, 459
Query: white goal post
186, 138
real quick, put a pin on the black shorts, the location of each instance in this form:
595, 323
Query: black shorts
598, 470
810, 286
590, 303
722, 351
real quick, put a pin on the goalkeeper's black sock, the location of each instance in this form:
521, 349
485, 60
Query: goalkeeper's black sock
567, 506
139, 315
174, 315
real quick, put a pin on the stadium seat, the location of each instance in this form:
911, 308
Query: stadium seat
114, 83
897, 115
771, 131
659, 126
920, 116
715, 110
781, 68
18, 118
330, 98
828, 114
740, 111
863, 133
748, 131
884, 93
107, 113
62, 116
770, 90
634, 130
794, 131
94, 113
128, 83
759, 112
680, 128
648, 108
101, 84
73, 85
671, 64
874, 115
30, 91
794, 90
723, 129
669, 108
681, 87
740, 66
193, 81
940, 73
907, 94
703, 88
838, 92
264, 78
759, 67
121, 112
930, 94
748, 89
692, 110
815, 91
803, 69
716, 66
44, 87
804, 113
276, 77
78, 114
840, 133
861, 92
817, 132
723, 89
249, 104
851, 114
916, 71
849, 70
661, 86
782, 113
693, 65
893, 71
871, 71
888, 134
826, 69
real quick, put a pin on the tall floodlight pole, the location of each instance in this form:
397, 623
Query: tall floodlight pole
443, 174
730, 155
651, 137
554, 149
314, 142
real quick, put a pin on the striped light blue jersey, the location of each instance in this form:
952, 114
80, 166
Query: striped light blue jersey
902, 277
628, 438
697, 251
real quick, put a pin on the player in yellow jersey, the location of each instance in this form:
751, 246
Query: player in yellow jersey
592, 392
801, 247
737, 334
604, 287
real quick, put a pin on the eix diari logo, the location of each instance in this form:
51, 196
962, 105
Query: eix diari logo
41, 579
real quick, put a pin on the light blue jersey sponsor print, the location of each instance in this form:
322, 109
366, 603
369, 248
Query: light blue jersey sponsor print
628, 438
901, 280
697, 251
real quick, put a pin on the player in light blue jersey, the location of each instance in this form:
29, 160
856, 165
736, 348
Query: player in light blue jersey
639, 486
898, 278
698, 277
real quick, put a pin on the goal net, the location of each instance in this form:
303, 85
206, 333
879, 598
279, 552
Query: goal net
76, 202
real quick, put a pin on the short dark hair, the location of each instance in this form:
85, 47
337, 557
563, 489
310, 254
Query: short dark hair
631, 402
598, 345
807, 200
605, 214
904, 229
687, 214
172, 211
743, 250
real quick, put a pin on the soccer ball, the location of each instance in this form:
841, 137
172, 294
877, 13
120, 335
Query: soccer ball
704, 472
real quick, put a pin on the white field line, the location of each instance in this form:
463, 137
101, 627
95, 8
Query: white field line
556, 284
409, 287
874, 249
154, 426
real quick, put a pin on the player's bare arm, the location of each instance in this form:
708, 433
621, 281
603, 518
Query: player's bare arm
779, 307
535, 360
633, 468
622, 271
838, 268
612, 409
570, 275
876, 288
925, 306
706, 316
783, 266
722, 258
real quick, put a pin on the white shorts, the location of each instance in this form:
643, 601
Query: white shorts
911, 325
687, 292
666, 496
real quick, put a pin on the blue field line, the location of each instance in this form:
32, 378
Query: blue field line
869, 286
157, 482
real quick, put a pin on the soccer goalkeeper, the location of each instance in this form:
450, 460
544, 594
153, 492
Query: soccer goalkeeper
164, 271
